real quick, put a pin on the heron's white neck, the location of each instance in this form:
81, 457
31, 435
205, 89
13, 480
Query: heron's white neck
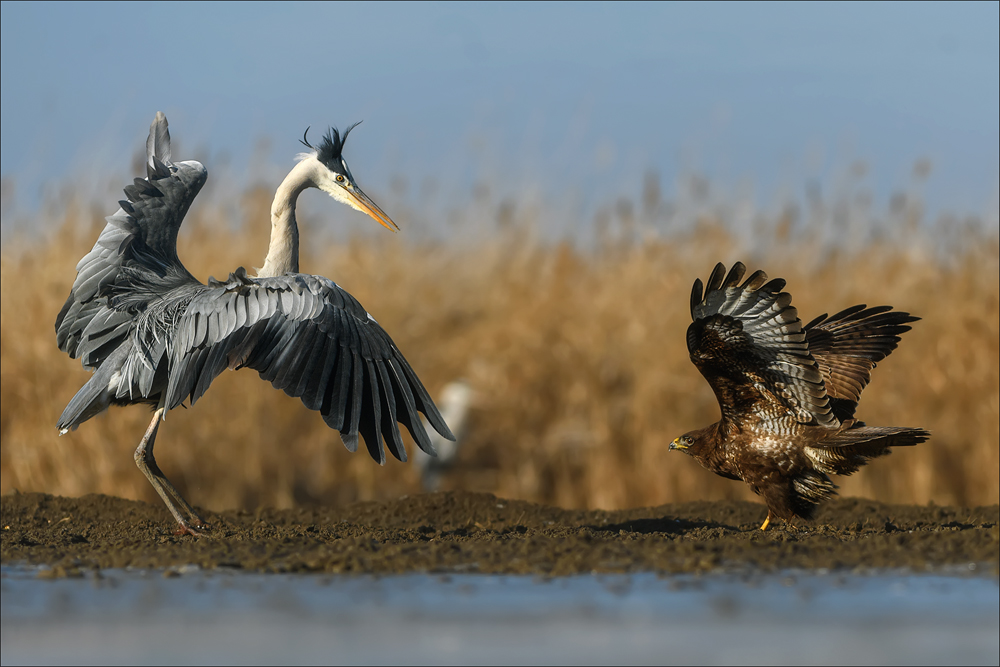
283, 250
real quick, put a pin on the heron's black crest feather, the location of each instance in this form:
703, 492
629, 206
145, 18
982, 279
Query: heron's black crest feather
331, 148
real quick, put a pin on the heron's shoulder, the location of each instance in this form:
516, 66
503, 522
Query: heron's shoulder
288, 289
299, 282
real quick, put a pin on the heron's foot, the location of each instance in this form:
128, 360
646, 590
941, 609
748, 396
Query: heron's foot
194, 526
199, 529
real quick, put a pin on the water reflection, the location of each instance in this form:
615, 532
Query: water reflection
188, 615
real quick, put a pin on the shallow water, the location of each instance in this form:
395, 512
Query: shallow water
190, 615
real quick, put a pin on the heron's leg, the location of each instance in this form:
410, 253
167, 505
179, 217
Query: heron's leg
168, 493
767, 521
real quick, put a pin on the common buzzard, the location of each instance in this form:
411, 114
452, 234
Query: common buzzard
787, 391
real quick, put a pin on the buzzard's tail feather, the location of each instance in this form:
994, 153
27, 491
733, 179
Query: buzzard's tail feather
847, 451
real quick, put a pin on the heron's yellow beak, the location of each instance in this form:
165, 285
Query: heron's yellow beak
363, 203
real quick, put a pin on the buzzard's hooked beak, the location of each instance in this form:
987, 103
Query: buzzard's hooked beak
677, 444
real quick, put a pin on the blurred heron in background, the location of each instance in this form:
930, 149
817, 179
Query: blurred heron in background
456, 399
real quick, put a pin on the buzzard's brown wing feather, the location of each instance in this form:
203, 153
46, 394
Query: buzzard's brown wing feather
748, 342
846, 347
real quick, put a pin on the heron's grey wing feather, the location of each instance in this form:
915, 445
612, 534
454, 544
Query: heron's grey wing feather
748, 342
141, 234
158, 142
335, 411
410, 419
96, 272
356, 403
130, 286
390, 421
94, 397
371, 413
312, 387
310, 338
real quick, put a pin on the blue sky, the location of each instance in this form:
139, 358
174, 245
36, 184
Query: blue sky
550, 99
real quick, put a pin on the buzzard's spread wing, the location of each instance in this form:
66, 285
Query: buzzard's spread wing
847, 346
748, 342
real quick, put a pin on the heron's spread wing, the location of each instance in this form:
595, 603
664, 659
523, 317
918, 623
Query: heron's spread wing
309, 337
748, 342
847, 346
142, 234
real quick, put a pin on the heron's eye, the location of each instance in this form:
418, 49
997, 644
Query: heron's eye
340, 178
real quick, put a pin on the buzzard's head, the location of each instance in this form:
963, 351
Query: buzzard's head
682, 443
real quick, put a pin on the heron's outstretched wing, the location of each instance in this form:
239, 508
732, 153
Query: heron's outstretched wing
748, 342
309, 337
141, 234
847, 346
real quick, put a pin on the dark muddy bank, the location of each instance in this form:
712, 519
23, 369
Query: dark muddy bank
475, 532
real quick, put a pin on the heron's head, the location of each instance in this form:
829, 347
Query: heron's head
331, 175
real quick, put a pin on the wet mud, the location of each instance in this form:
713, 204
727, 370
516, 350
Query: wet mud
477, 532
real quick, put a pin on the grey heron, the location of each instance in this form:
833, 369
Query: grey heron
152, 333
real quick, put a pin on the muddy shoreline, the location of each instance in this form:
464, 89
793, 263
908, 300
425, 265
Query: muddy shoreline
479, 533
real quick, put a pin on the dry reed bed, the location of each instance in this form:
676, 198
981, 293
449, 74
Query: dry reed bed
578, 360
